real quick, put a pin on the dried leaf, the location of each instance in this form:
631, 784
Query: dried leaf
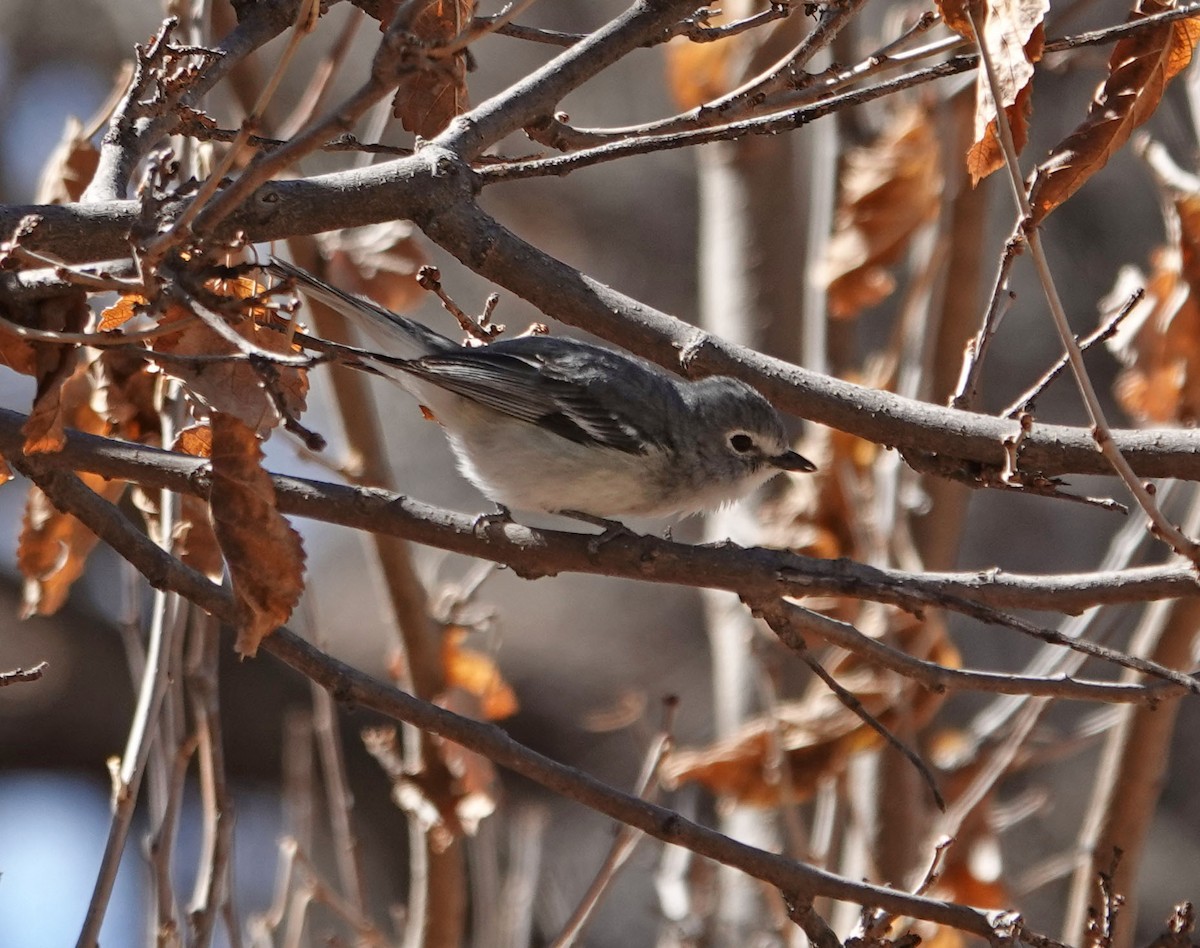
196, 541
476, 674
1140, 67
379, 261
195, 440
68, 171
54, 365
1159, 341
1013, 37
232, 386
888, 190
53, 548
430, 95
700, 72
110, 395
264, 554
123, 310
817, 735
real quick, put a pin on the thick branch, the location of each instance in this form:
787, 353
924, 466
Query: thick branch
540, 92
752, 572
347, 684
437, 191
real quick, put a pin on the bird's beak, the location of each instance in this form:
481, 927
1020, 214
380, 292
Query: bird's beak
791, 461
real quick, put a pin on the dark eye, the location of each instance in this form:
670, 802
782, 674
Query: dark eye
741, 443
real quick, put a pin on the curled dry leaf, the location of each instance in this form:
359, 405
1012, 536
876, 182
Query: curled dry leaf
263, 552
380, 261
1013, 37
435, 90
1139, 69
477, 674
124, 309
1159, 342
233, 385
54, 546
817, 735
888, 190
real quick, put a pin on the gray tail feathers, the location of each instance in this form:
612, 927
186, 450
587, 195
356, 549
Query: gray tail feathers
397, 335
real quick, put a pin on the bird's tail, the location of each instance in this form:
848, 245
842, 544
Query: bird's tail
398, 335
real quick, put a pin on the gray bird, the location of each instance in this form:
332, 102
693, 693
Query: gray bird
557, 425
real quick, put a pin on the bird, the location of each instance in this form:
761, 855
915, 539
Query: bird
556, 425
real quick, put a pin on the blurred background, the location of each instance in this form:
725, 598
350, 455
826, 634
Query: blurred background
579, 652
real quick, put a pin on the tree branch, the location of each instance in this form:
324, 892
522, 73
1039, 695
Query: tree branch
347, 684
756, 574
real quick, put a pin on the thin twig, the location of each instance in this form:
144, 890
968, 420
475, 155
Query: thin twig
850, 701
1101, 432
351, 685
626, 841
754, 573
1101, 333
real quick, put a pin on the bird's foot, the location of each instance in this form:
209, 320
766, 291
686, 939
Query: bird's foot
485, 521
612, 529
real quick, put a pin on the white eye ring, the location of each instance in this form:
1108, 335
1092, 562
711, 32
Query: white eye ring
741, 442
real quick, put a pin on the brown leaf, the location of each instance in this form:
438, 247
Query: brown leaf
1013, 37
123, 310
54, 365
1159, 341
954, 15
195, 440
380, 261
54, 546
431, 94
476, 674
68, 171
264, 554
817, 734
110, 395
1140, 67
888, 190
700, 72
234, 387
196, 539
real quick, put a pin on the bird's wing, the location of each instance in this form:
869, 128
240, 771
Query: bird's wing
536, 391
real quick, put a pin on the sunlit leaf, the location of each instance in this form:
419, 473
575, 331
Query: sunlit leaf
1013, 37
1140, 67
220, 376
263, 552
428, 97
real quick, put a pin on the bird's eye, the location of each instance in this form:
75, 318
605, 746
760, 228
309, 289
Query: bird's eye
741, 443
